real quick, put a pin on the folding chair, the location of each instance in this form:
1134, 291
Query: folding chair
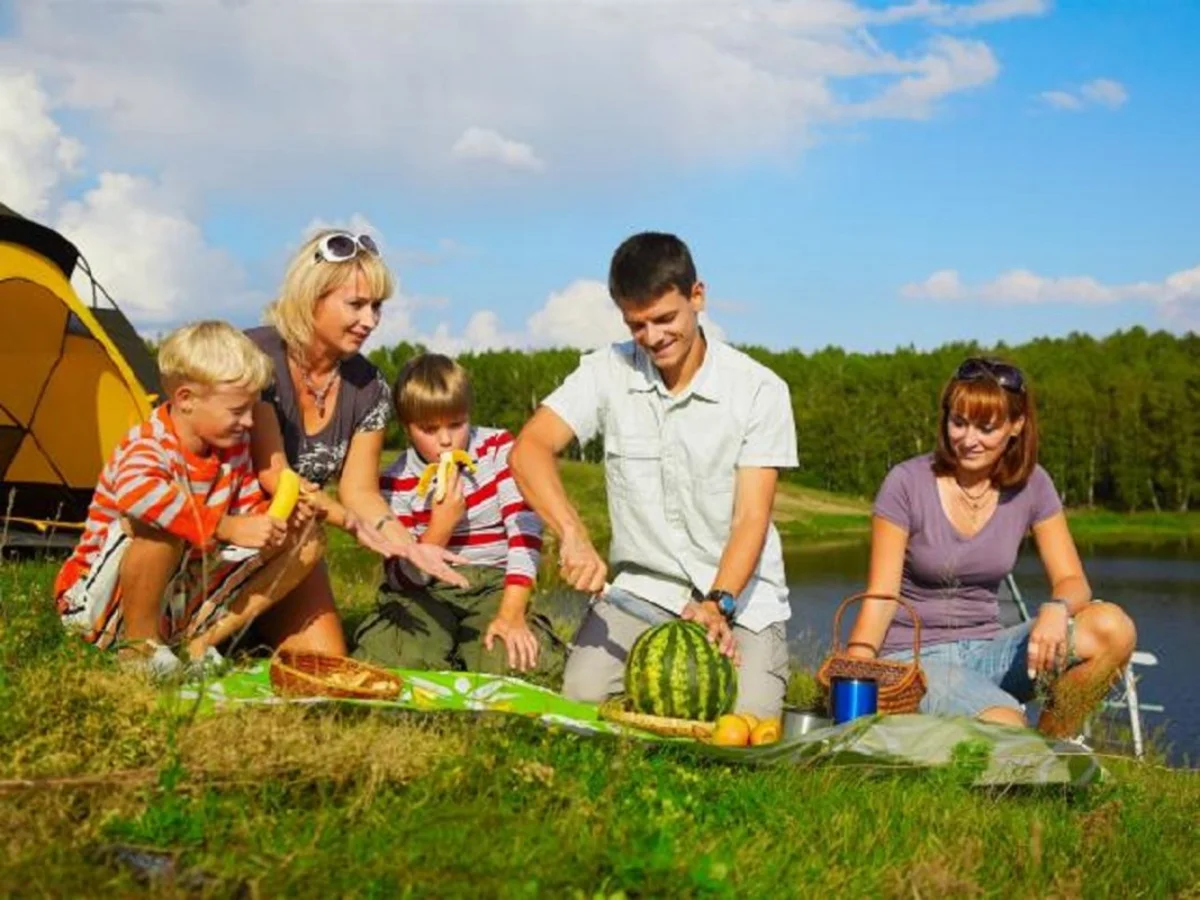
1129, 679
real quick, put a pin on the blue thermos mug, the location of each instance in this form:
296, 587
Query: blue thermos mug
853, 697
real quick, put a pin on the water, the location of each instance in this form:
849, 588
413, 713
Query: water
1158, 587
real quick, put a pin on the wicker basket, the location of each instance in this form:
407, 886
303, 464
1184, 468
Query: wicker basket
316, 675
618, 710
901, 684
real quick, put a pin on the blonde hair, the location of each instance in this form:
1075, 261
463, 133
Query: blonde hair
212, 353
431, 387
309, 278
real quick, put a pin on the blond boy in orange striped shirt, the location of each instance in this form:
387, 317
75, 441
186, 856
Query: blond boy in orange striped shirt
178, 552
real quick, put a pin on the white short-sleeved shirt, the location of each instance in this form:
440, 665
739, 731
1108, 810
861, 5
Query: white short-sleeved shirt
671, 462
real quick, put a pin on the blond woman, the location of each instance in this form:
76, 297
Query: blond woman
325, 415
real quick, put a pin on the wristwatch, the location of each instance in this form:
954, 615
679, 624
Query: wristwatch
726, 603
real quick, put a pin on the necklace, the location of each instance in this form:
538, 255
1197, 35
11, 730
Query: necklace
975, 502
318, 393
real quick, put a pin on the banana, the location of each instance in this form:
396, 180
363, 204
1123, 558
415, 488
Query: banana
287, 492
440, 471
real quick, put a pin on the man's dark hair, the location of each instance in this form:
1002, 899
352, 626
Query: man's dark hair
648, 265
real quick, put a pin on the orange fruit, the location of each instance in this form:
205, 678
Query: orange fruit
765, 732
751, 719
731, 731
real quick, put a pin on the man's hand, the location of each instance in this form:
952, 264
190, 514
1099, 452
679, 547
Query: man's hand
719, 631
255, 532
581, 565
520, 642
1048, 640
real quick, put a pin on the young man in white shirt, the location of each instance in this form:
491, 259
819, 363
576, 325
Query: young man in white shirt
695, 433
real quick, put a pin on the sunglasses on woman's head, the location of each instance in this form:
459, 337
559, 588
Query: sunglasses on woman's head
977, 369
342, 245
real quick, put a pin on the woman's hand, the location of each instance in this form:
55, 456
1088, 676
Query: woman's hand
1048, 640
433, 560
519, 641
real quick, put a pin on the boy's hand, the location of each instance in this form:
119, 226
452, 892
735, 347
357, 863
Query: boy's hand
520, 642
307, 507
255, 532
446, 514
581, 565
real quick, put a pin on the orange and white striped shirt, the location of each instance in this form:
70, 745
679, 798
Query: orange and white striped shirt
153, 478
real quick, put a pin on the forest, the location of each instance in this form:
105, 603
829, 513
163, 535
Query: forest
1120, 427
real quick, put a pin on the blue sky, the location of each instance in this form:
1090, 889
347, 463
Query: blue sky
501, 157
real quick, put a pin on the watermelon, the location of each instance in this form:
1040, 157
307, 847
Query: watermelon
673, 671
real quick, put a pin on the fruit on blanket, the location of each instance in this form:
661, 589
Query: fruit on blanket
765, 732
287, 492
731, 731
751, 719
440, 472
674, 672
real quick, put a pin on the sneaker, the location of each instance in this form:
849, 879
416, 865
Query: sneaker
160, 664
209, 666
1073, 745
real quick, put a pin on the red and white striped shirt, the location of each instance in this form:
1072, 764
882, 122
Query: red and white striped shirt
151, 477
498, 529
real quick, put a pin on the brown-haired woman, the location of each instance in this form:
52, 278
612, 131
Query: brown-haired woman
946, 530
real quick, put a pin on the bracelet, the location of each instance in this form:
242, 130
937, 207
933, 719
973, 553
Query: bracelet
383, 521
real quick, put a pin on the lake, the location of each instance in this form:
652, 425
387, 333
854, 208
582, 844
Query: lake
1158, 586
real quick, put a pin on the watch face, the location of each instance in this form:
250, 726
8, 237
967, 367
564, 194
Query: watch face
727, 605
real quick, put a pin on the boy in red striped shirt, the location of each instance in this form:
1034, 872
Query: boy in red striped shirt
177, 551
482, 517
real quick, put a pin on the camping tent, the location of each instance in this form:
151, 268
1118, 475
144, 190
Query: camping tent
74, 378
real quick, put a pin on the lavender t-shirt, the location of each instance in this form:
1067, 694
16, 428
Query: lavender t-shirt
952, 580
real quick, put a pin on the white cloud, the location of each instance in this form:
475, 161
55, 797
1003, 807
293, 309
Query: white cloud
979, 13
483, 144
1106, 92
1098, 92
581, 315
149, 254
1062, 99
35, 156
243, 98
136, 233
1177, 296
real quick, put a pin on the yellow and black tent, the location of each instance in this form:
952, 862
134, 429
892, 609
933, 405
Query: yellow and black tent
74, 377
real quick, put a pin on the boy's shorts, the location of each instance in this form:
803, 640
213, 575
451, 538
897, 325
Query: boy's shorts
966, 677
197, 595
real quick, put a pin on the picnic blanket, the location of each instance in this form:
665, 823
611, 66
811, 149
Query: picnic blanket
995, 755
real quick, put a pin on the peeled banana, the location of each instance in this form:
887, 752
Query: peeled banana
287, 492
440, 472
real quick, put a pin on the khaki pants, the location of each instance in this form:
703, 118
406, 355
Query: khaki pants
596, 665
441, 627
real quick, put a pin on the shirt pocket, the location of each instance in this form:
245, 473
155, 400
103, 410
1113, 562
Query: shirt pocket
633, 464
712, 500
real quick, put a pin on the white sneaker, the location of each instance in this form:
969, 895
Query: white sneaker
161, 666
208, 666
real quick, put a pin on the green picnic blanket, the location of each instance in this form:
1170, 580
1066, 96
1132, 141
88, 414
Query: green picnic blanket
1000, 755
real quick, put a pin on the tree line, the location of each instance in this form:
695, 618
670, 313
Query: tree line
1119, 420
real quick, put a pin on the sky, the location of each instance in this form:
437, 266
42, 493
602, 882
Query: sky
861, 174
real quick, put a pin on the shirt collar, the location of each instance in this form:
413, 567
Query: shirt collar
705, 384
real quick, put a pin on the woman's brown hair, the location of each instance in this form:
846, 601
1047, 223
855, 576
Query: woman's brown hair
983, 401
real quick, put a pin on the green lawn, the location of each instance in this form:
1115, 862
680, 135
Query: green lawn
316, 803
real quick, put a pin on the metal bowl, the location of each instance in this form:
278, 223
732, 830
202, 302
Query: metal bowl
797, 722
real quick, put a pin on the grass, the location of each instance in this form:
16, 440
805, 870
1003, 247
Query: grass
294, 802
